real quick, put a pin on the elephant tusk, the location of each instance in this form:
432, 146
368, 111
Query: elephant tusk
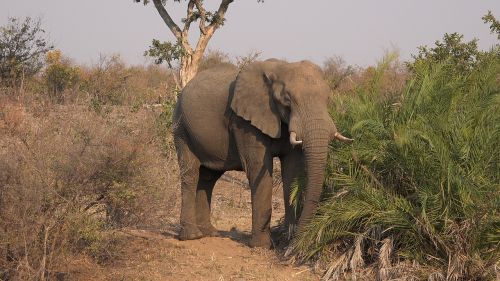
293, 139
340, 137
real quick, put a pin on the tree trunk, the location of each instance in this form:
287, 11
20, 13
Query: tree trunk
189, 67
190, 63
191, 60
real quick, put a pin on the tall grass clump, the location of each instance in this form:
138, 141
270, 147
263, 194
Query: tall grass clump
417, 193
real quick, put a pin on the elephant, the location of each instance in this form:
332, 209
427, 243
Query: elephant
230, 119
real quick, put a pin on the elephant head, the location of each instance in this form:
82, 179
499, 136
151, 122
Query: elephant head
271, 92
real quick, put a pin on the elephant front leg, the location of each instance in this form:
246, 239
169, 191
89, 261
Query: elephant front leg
254, 149
260, 178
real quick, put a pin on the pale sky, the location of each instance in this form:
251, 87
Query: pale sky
360, 31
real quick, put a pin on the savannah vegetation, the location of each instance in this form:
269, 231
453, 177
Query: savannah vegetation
85, 150
416, 195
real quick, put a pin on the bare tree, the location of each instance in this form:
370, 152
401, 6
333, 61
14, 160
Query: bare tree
336, 71
189, 57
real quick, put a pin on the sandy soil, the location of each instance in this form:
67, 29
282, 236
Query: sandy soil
158, 255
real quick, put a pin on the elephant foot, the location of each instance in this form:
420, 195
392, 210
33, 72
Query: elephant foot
209, 231
261, 240
190, 233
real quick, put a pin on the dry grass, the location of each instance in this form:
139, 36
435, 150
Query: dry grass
69, 176
109, 81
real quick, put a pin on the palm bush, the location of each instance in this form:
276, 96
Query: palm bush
419, 187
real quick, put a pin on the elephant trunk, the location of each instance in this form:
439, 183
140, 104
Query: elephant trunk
316, 137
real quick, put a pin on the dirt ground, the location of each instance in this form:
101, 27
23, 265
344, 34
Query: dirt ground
159, 255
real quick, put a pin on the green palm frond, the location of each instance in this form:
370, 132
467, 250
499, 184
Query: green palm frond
424, 169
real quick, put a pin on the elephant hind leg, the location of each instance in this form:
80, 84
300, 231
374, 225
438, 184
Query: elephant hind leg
204, 190
189, 167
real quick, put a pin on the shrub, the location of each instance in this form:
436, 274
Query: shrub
22, 47
164, 124
68, 177
213, 58
336, 71
59, 75
150, 84
112, 82
348, 79
420, 182
242, 61
463, 55
105, 80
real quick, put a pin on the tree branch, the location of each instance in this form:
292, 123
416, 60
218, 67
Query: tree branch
189, 17
220, 13
203, 16
216, 23
167, 19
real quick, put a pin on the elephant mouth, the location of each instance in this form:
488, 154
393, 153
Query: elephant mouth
293, 139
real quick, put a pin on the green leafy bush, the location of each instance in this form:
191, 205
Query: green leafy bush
22, 47
421, 181
164, 124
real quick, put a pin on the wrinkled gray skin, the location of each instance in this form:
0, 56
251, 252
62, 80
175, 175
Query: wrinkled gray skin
225, 120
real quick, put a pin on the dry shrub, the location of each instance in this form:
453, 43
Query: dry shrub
69, 177
348, 79
243, 61
214, 58
60, 76
111, 81
336, 71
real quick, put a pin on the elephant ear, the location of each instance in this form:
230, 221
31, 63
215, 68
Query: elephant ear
252, 99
